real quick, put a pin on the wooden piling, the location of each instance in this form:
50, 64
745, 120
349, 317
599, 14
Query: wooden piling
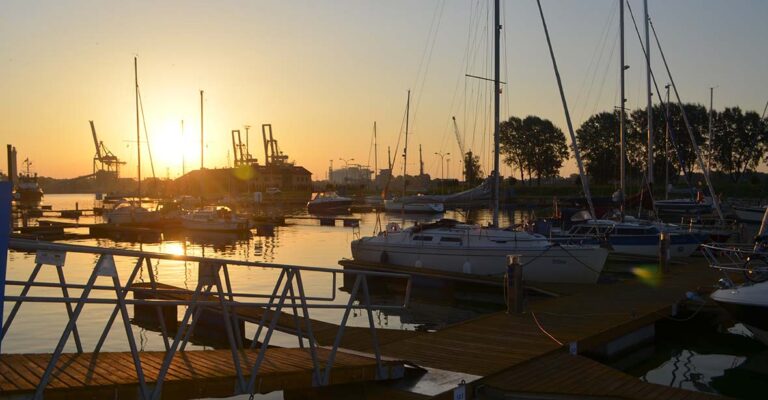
664, 241
515, 285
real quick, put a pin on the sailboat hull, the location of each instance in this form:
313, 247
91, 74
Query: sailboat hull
573, 264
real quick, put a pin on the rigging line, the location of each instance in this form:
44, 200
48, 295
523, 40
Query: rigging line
391, 162
437, 17
672, 134
695, 146
370, 149
594, 68
608, 66
764, 110
593, 64
146, 133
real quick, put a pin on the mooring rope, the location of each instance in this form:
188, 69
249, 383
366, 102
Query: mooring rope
544, 331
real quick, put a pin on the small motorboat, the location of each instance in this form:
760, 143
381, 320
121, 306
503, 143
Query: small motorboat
129, 213
215, 219
328, 202
747, 303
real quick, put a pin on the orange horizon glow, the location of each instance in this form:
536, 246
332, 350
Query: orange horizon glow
322, 72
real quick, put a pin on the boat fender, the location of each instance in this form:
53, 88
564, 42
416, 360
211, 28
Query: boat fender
417, 264
384, 257
466, 268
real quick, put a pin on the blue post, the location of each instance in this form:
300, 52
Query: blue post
5, 231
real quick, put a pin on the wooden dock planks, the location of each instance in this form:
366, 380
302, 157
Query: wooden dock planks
590, 315
198, 373
562, 374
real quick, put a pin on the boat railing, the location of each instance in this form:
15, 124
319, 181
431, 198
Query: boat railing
213, 292
743, 258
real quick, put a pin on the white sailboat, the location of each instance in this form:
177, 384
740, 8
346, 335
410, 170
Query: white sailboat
133, 213
452, 246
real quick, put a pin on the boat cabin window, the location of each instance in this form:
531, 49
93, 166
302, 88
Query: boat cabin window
423, 238
449, 239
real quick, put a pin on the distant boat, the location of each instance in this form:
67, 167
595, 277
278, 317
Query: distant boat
749, 213
636, 239
683, 207
27, 188
326, 202
413, 206
129, 213
215, 219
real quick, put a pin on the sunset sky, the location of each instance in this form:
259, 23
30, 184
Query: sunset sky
321, 72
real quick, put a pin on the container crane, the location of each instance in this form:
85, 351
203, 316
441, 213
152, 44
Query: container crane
104, 160
272, 153
240, 150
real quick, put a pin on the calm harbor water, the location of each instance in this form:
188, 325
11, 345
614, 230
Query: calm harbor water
727, 362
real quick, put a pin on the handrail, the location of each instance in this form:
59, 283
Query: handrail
211, 292
35, 245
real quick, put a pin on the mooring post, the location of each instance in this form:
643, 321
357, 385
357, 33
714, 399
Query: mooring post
515, 285
5, 232
664, 240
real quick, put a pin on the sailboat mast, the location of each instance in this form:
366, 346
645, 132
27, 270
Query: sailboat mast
496, 88
405, 148
666, 148
375, 154
138, 130
183, 153
576, 152
648, 92
711, 98
201, 130
622, 102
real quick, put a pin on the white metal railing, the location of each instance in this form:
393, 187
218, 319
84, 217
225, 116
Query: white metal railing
743, 258
210, 292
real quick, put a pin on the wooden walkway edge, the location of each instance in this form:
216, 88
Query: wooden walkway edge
193, 374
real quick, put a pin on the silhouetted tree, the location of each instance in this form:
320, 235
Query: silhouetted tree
599, 145
472, 171
534, 145
682, 152
740, 141
513, 143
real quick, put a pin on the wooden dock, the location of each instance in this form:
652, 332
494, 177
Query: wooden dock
539, 352
193, 374
324, 332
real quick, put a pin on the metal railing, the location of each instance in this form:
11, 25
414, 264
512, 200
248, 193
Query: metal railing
744, 258
211, 292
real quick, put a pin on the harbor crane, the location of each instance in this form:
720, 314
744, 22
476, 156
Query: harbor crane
240, 150
104, 160
272, 153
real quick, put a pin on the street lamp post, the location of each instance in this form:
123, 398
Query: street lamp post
442, 167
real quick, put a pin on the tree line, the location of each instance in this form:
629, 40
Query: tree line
535, 148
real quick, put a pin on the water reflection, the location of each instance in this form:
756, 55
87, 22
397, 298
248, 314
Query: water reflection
700, 358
